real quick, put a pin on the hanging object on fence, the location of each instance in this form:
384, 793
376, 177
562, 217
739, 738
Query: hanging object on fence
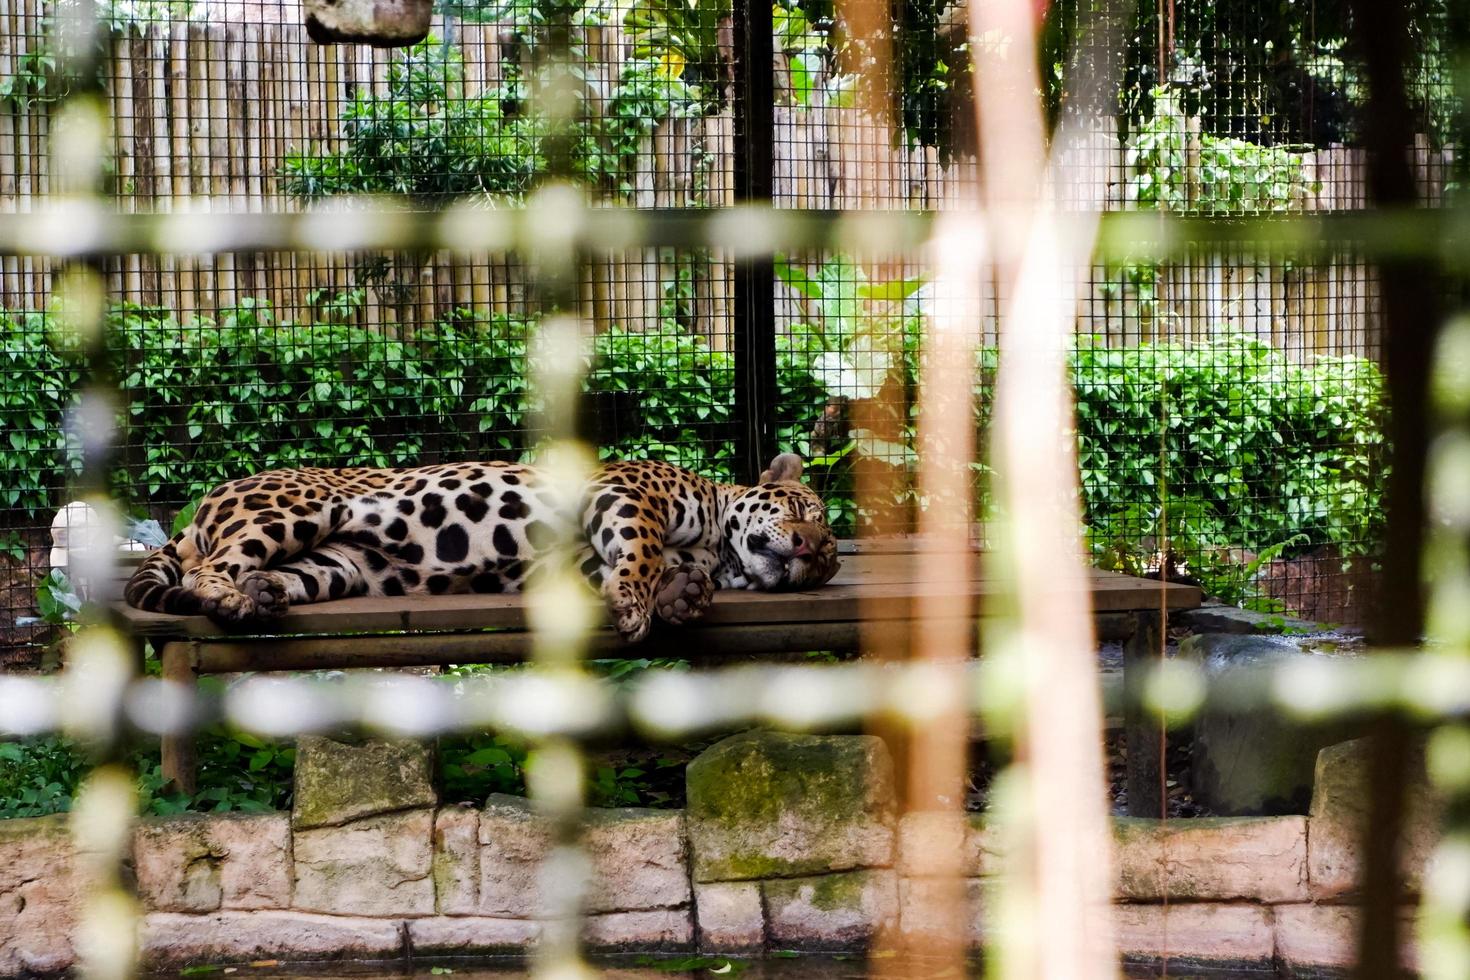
380, 23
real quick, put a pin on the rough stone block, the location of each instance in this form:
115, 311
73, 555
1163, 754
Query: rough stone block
730, 917
652, 930
937, 909
513, 841
38, 895
1252, 762
839, 911
1313, 938
337, 782
638, 859
471, 935
932, 844
171, 939
378, 866
456, 860
204, 863
1339, 814
1237, 934
1218, 859
768, 804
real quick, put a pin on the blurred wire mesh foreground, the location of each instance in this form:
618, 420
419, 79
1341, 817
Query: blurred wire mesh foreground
1045, 907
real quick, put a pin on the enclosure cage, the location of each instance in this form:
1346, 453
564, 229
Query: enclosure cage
1228, 403
351, 256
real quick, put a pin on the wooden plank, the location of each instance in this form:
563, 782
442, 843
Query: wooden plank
868, 587
706, 646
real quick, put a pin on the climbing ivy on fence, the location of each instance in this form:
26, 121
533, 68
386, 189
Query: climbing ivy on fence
40, 383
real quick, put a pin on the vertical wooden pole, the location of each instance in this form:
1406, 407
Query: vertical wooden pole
179, 661
1141, 730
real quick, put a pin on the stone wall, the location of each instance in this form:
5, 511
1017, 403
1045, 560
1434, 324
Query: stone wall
788, 842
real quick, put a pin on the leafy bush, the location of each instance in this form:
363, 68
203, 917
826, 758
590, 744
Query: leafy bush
1230, 176
425, 138
210, 401
473, 766
40, 385
237, 772
681, 393
681, 38
1250, 449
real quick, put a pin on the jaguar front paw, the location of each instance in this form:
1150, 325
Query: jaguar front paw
630, 617
828, 564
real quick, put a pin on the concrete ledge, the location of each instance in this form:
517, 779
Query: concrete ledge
654, 931
378, 866
199, 863
836, 912
1261, 859
39, 895
938, 908
1219, 618
172, 939
1341, 798
928, 844
730, 916
470, 935
1216, 933
1314, 938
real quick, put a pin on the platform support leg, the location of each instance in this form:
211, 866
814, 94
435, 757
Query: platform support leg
180, 766
1141, 727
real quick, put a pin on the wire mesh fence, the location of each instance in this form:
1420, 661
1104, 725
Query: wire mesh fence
232, 102
1229, 423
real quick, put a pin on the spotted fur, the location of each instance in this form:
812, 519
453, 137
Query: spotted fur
655, 539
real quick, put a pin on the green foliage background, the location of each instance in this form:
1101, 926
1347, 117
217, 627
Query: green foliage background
1256, 449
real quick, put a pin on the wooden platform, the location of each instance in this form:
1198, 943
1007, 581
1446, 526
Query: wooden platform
871, 601
879, 588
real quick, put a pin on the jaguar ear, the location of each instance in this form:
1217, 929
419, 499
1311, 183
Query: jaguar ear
785, 468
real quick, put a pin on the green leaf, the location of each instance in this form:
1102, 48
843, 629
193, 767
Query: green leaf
797, 278
489, 756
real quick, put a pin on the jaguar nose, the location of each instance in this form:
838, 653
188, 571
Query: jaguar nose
799, 545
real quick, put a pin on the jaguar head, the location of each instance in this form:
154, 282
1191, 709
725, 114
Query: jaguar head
776, 533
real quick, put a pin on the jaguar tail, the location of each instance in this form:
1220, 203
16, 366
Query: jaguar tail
156, 585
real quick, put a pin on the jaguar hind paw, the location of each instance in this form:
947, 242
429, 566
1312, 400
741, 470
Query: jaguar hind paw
683, 594
230, 609
268, 593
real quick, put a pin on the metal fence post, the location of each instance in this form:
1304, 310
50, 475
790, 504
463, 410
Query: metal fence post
755, 276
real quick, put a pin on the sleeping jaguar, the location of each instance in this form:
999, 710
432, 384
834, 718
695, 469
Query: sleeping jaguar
656, 540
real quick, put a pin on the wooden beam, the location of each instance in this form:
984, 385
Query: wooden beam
873, 586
